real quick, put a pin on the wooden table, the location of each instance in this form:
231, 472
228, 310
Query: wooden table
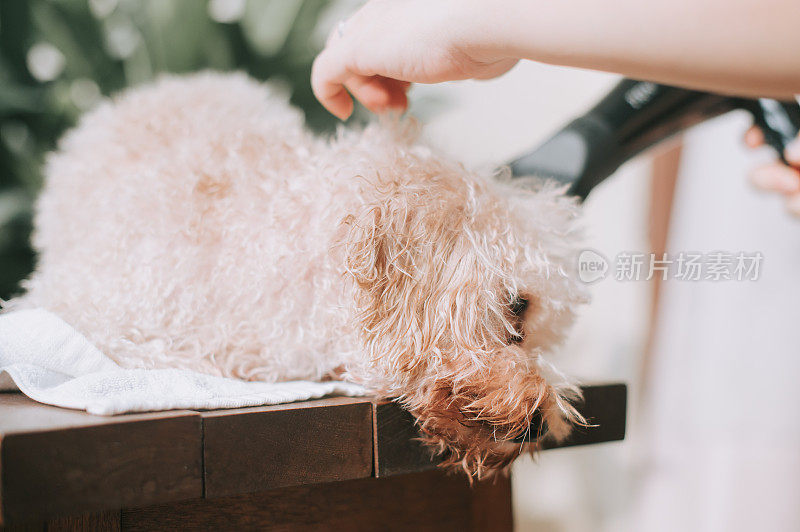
331, 464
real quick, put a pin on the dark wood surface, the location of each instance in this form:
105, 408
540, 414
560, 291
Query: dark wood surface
108, 521
397, 449
432, 501
604, 407
58, 463
256, 449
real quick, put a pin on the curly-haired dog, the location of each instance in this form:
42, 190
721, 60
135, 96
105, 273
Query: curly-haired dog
196, 224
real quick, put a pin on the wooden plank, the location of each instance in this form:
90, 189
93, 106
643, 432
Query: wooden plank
398, 452
491, 505
107, 521
98, 522
255, 449
604, 406
24, 527
425, 501
59, 462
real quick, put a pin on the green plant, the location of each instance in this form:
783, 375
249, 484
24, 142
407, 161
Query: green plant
59, 57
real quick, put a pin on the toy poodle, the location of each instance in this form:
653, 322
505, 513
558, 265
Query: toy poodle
195, 223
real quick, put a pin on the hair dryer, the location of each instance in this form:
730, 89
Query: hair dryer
634, 116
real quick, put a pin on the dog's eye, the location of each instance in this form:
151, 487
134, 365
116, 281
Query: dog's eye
518, 306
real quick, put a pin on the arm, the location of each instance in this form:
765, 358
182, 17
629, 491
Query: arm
743, 47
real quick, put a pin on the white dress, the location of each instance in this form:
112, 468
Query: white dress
721, 418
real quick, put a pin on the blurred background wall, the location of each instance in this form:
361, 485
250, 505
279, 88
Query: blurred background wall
58, 58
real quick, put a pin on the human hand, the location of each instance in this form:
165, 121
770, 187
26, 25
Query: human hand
387, 45
777, 176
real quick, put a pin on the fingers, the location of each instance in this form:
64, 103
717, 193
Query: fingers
378, 94
777, 178
782, 179
792, 152
754, 137
331, 80
328, 77
336, 76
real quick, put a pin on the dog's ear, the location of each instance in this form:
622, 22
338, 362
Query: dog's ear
386, 257
424, 282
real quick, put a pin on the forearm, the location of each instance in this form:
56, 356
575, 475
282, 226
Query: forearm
744, 47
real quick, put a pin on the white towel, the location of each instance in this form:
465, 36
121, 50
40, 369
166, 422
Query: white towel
52, 363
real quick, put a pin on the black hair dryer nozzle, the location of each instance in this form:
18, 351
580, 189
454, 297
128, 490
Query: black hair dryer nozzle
634, 116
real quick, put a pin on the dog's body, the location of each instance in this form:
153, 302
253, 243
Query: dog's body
196, 224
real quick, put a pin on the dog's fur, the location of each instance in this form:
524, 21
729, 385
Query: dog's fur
196, 224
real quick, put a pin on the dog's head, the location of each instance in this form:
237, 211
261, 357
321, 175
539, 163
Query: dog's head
462, 283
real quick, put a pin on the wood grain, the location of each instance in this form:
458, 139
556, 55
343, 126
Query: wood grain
254, 449
97, 522
57, 462
419, 502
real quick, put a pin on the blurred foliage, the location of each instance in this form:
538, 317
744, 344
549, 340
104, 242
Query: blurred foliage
58, 57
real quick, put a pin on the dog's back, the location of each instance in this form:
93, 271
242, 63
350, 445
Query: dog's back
171, 230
